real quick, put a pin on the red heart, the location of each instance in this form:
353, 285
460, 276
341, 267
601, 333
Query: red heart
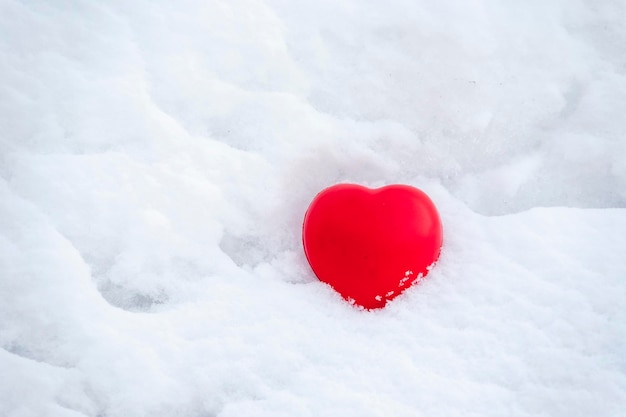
370, 245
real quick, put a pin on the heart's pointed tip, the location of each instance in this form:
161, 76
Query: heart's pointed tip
368, 306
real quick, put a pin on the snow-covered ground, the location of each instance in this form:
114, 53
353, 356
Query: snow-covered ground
157, 158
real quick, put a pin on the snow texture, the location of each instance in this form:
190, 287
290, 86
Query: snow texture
157, 158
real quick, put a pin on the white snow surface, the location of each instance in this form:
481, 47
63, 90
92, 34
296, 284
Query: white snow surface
157, 158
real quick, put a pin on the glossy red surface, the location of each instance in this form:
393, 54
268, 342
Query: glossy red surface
371, 244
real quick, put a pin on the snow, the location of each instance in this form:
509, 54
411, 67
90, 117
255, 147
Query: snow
157, 158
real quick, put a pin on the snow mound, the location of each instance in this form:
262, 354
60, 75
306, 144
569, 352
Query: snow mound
157, 158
